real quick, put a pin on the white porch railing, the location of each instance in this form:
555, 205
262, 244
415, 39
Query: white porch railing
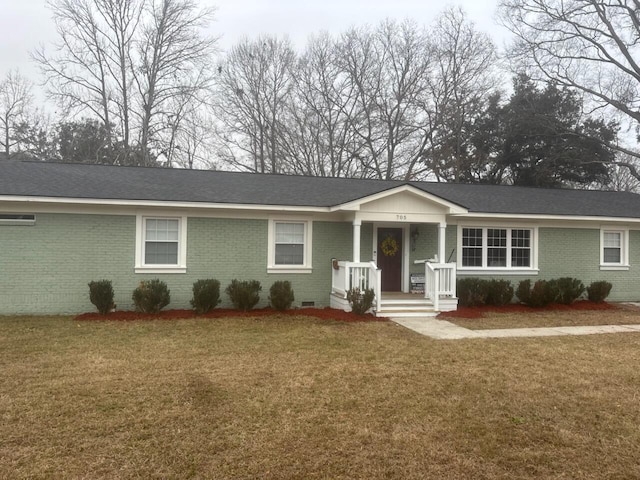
362, 275
439, 280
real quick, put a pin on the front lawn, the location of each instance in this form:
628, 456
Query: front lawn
297, 397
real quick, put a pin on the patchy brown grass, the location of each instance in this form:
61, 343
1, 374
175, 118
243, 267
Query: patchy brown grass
622, 315
296, 397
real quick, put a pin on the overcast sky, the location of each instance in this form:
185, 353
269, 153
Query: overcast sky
25, 24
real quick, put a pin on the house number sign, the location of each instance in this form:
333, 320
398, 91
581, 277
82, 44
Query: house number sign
401, 217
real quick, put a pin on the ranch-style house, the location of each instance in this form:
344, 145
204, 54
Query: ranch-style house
64, 225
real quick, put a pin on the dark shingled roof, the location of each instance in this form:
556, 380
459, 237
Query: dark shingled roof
175, 185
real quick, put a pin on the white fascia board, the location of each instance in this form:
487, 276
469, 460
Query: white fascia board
518, 216
355, 204
158, 203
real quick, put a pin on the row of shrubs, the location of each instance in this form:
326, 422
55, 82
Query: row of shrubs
474, 292
151, 296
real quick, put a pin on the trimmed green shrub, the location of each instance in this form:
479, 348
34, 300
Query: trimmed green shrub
499, 292
360, 301
523, 292
598, 291
542, 294
151, 296
101, 295
244, 294
472, 292
206, 295
281, 295
568, 290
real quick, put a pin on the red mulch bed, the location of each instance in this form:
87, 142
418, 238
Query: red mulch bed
478, 312
321, 313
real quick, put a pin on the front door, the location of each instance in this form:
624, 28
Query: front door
390, 258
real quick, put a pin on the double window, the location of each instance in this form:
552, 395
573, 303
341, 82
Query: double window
614, 248
502, 248
289, 246
161, 240
289, 243
161, 244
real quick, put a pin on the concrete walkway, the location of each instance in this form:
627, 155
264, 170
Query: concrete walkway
443, 330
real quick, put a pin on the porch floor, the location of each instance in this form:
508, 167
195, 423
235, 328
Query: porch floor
401, 296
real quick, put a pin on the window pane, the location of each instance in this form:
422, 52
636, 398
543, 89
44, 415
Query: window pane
161, 230
289, 240
611, 255
471, 237
472, 257
496, 237
496, 257
289, 254
520, 248
520, 238
497, 251
612, 247
472, 247
520, 257
289, 233
161, 253
611, 239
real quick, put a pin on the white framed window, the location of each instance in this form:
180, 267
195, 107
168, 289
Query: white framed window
161, 244
289, 246
490, 250
614, 249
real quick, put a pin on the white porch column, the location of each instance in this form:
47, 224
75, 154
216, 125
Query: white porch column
442, 231
356, 239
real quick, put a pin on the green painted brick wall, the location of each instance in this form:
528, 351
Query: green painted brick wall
366, 242
46, 268
578, 251
426, 246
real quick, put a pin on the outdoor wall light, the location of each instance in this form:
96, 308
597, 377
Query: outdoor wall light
415, 233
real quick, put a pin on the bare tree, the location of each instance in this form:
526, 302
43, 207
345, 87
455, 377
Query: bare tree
379, 102
174, 60
87, 75
121, 19
322, 138
15, 100
254, 85
620, 177
589, 45
122, 61
463, 78
388, 68
190, 133
195, 141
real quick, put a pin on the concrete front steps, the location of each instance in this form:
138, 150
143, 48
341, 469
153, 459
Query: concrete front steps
412, 305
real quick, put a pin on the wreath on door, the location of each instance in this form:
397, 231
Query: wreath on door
389, 246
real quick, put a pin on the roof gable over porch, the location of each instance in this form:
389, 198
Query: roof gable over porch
402, 204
